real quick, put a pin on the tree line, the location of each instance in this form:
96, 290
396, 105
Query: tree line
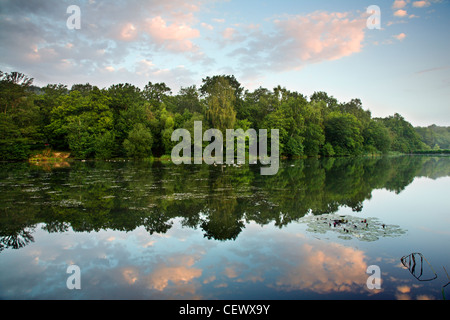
125, 121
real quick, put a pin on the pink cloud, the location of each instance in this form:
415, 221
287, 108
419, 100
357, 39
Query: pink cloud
175, 37
320, 36
207, 26
400, 13
321, 269
128, 32
229, 33
400, 36
399, 4
421, 4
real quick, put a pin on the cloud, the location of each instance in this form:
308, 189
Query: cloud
433, 69
174, 37
400, 13
400, 36
421, 4
207, 26
128, 32
299, 40
112, 39
399, 4
229, 33
322, 269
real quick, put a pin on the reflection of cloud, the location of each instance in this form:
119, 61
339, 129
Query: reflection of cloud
404, 289
162, 275
325, 269
404, 293
130, 275
160, 278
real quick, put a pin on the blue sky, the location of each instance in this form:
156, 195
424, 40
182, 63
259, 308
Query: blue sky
305, 46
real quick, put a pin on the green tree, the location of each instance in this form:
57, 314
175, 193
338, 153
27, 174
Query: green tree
13, 90
188, 99
156, 93
342, 131
80, 119
138, 145
377, 137
220, 102
404, 137
314, 134
105, 145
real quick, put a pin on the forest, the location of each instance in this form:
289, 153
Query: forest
125, 121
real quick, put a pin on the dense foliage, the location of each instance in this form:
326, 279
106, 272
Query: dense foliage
435, 137
128, 122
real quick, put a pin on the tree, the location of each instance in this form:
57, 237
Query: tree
13, 90
404, 137
83, 89
138, 145
377, 137
105, 145
342, 131
330, 101
256, 106
156, 93
210, 82
314, 135
79, 120
220, 105
188, 99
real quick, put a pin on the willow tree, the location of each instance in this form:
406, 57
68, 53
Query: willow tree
220, 102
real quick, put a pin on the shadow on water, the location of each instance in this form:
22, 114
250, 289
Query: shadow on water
123, 196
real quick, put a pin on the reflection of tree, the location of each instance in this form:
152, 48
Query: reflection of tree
16, 240
157, 222
123, 196
222, 221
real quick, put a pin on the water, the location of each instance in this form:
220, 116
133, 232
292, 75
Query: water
141, 230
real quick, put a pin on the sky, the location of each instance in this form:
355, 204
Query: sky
305, 46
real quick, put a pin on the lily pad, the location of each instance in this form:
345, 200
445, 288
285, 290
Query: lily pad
351, 227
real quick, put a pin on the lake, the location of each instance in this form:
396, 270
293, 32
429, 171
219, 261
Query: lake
338, 228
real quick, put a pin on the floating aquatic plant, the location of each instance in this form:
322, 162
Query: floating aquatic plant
351, 227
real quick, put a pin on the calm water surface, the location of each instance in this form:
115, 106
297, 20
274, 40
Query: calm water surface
141, 230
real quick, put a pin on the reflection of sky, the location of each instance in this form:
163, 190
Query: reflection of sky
264, 262
180, 265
